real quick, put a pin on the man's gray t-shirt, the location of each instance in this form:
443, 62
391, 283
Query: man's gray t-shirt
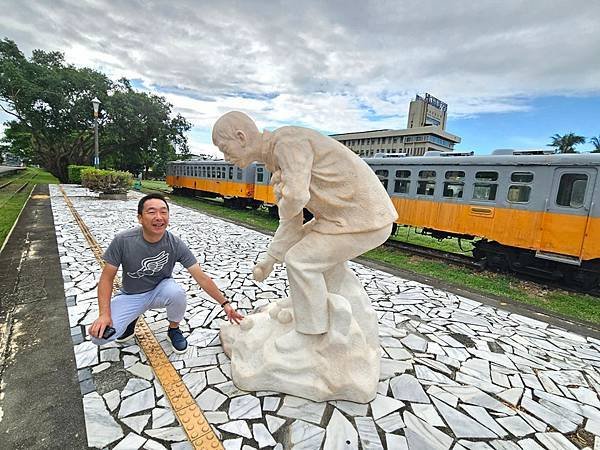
146, 264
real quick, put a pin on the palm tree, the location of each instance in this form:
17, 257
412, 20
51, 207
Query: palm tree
595, 141
566, 143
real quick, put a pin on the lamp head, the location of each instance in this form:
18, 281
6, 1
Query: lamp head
96, 104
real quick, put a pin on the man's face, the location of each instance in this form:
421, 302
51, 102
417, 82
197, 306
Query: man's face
155, 217
233, 151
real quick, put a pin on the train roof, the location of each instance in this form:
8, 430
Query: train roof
571, 159
219, 162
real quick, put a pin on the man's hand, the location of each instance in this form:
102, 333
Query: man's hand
263, 268
99, 325
232, 314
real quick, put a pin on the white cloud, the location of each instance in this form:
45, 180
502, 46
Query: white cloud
336, 66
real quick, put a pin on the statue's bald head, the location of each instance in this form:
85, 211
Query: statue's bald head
227, 126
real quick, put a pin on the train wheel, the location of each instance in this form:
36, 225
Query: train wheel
274, 212
581, 279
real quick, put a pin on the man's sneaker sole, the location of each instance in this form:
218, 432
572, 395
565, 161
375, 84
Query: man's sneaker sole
125, 339
179, 352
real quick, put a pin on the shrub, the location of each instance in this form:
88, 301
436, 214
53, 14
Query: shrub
74, 173
106, 181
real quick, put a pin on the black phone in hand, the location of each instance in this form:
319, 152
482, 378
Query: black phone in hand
108, 332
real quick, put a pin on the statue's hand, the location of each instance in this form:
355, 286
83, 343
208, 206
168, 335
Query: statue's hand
263, 268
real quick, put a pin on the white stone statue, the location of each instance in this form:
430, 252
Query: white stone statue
322, 342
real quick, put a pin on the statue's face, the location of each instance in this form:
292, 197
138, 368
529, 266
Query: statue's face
234, 151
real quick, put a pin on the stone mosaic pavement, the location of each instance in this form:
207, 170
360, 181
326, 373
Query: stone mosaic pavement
455, 373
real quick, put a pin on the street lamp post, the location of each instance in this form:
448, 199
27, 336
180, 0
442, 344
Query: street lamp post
96, 104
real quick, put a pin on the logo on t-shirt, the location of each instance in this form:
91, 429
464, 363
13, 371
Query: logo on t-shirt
151, 265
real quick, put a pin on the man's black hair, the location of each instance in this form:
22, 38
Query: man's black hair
150, 197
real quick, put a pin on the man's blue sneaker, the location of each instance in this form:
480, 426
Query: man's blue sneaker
178, 341
128, 334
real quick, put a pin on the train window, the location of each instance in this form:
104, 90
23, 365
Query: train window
455, 175
521, 177
518, 193
260, 175
212, 172
402, 184
383, 177
231, 172
239, 173
571, 190
454, 188
484, 189
427, 174
426, 185
486, 176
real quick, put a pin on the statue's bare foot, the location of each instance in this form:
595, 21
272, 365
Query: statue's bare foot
293, 341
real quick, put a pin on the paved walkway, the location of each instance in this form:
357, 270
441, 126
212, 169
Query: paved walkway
456, 373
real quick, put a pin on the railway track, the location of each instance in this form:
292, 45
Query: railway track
13, 187
480, 265
454, 258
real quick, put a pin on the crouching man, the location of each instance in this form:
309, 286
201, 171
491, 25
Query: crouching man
147, 255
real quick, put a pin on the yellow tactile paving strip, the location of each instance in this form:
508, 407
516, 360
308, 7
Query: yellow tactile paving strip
190, 416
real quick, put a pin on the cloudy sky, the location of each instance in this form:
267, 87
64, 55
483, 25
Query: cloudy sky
512, 72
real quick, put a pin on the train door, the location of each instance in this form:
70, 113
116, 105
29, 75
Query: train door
567, 212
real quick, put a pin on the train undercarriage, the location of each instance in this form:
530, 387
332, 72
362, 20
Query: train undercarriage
495, 256
501, 257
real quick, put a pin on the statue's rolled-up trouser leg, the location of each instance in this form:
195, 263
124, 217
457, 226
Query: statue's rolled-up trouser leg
307, 264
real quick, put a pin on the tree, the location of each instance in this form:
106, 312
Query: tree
566, 143
53, 122
595, 141
50, 101
138, 132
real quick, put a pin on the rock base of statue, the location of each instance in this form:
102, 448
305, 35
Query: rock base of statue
268, 354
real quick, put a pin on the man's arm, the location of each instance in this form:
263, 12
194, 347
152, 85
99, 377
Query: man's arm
209, 286
105, 285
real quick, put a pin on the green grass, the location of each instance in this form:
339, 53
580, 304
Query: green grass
11, 209
503, 286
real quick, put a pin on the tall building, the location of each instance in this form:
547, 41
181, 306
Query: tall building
427, 111
425, 132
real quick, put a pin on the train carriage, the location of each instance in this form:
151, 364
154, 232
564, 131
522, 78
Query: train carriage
536, 213
533, 213
213, 179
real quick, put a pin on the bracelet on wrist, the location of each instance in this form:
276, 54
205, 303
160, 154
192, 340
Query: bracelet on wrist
226, 302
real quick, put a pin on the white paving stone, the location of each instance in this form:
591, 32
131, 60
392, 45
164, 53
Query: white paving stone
136, 423
100, 427
274, 423
422, 436
262, 436
305, 436
340, 434
555, 441
131, 442
245, 407
137, 402
464, 353
300, 408
210, 400
368, 433
171, 434
462, 425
